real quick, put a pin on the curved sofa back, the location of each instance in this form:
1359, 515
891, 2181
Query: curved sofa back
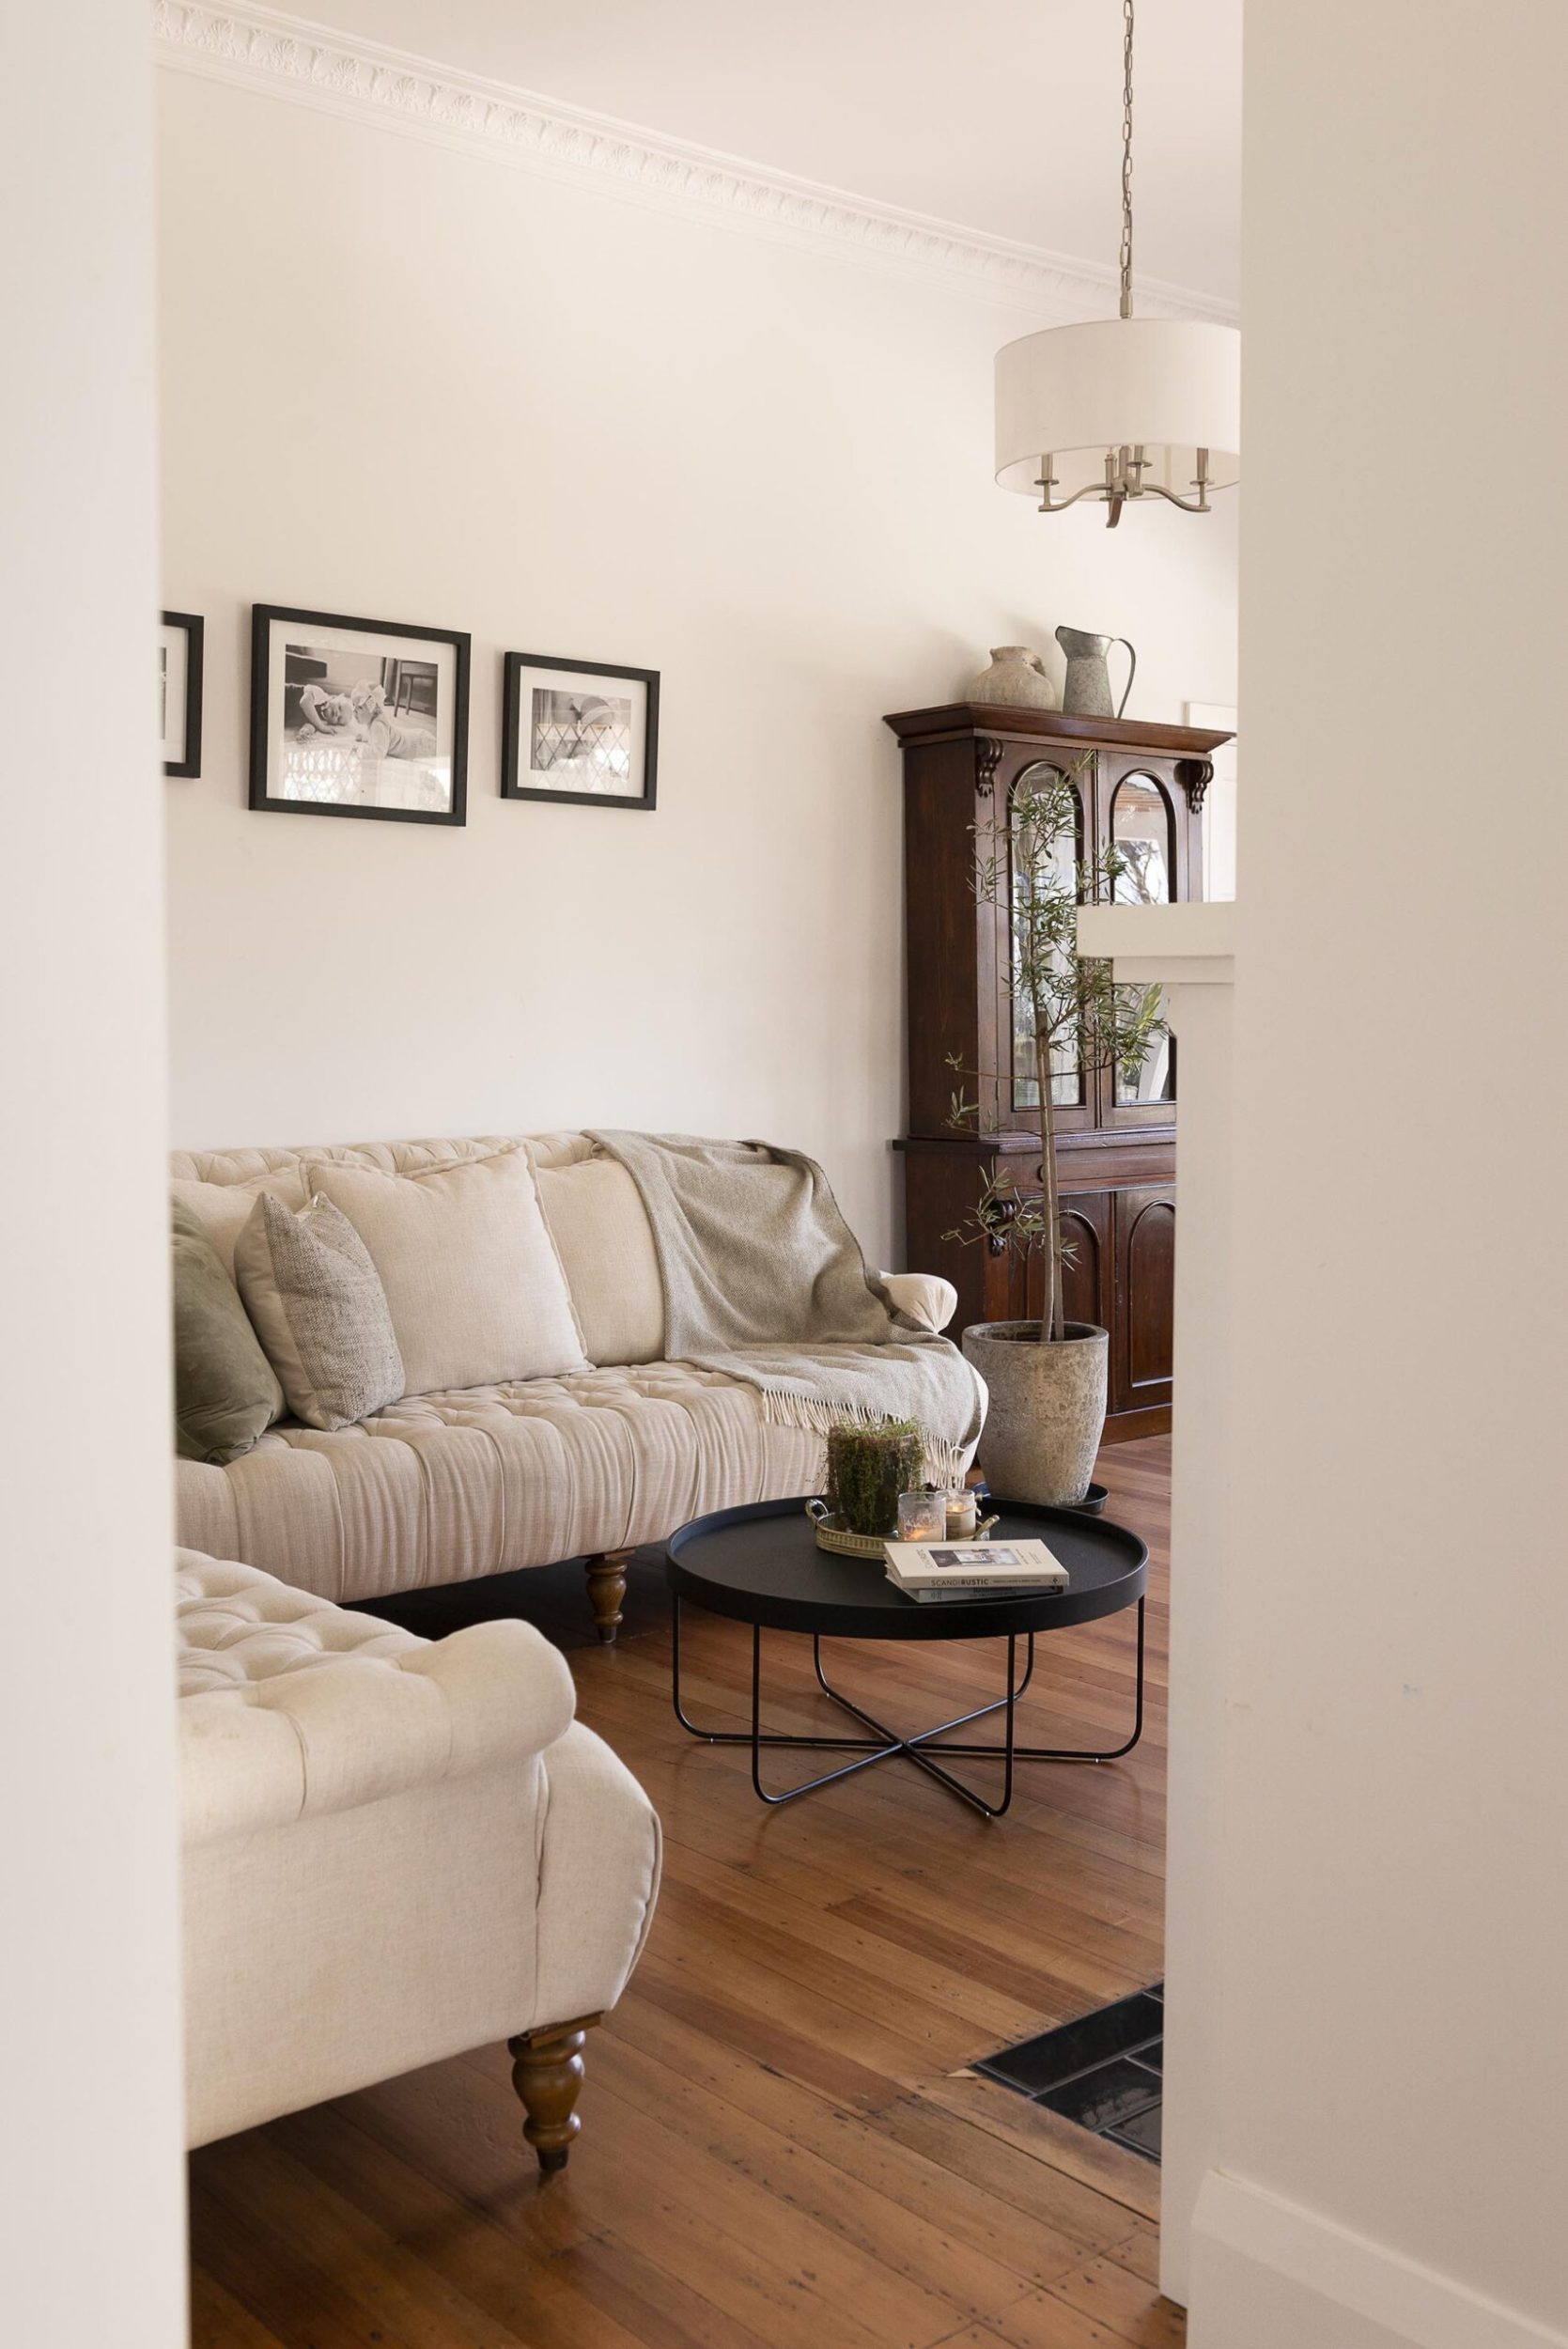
590, 1203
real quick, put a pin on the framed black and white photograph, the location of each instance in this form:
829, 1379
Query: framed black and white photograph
578, 731
179, 692
357, 717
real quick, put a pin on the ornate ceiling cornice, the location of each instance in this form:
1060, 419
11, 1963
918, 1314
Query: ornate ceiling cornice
259, 48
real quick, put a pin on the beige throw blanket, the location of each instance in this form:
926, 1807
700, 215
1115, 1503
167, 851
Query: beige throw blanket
765, 1283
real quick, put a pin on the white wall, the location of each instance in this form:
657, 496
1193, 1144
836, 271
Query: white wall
1394, 2132
417, 385
90, 2121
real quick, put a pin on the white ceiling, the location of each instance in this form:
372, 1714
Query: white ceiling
1002, 115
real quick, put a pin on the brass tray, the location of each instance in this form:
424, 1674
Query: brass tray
836, 1538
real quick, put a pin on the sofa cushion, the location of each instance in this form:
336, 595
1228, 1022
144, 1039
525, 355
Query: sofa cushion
222, 1209
445, 1488
600, 1227
225, 1391
318, 1303
472, 1276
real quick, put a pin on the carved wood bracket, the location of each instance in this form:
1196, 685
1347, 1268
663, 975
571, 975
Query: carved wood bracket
1195, 775
987, 758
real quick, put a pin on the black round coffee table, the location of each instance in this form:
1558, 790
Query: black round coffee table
761, 1565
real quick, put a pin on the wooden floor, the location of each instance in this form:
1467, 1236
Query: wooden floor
781, 2148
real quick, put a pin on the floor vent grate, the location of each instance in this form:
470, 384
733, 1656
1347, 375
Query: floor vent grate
1105, 2071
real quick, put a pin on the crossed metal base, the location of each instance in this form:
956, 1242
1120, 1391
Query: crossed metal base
886, 1745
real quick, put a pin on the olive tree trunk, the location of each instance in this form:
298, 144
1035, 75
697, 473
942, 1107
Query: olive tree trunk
1052, 1320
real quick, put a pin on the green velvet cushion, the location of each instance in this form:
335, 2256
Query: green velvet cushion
225, 1389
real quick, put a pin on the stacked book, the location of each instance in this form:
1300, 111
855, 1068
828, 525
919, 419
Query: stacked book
971, 1570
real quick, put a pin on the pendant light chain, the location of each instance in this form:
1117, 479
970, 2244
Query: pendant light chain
1127, 158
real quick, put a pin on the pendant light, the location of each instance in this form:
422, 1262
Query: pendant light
1124, 408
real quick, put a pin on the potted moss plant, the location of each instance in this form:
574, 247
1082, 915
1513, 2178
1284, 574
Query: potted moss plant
1048, 1377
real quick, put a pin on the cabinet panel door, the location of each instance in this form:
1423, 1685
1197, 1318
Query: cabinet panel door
1087, 1285
1145, 1251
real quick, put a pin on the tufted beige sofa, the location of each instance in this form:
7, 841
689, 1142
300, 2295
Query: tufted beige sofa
477, 1481
395, 1850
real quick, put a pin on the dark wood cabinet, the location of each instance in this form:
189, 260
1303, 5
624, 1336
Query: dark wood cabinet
1142, 786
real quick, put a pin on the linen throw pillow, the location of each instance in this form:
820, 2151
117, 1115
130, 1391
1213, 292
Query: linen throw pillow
599, 1225
224, 1209
471, 1272
321, 1310
225, 1389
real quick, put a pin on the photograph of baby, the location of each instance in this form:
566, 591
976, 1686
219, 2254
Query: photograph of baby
578, 731
583, 740
360, 726
357, 718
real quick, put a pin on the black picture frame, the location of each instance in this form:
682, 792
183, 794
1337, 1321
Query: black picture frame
516, 770
193, 625
264, 618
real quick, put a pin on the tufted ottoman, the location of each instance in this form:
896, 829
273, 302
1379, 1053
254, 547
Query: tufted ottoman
395, 1849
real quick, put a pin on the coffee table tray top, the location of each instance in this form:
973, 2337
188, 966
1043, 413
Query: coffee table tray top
761, 1565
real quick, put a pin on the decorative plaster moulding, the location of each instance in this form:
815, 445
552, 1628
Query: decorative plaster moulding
261, 49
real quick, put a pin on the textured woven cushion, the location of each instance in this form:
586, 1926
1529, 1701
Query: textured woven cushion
600, 1226
318, 1303
470, 1273
225, 1391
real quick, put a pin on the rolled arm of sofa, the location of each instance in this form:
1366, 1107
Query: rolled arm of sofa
926, 1296
600, 1857
295, 1708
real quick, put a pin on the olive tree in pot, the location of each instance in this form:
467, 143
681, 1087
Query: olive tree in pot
1048, 1377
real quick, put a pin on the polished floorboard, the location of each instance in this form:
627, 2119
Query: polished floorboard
783, 2146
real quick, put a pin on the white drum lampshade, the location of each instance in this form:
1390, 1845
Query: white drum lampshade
1162, 389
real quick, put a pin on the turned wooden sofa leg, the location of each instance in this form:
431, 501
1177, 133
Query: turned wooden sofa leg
607, 1591
547, 2073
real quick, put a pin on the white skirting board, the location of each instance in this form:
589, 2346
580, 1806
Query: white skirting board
1268, 2272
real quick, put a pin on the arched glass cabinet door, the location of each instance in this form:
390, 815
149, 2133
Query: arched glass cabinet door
1066, 1084
1144, 835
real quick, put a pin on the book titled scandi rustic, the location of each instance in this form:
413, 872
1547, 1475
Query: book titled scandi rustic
929, 1570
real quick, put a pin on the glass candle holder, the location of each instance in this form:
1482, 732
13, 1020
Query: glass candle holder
963, 1515
922, 1517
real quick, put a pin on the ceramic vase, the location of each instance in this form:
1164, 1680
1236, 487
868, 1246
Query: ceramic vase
1016, 676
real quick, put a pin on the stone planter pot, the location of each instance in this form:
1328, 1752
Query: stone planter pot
1046, 1411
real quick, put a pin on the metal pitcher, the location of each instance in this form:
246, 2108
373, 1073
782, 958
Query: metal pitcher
1087, 691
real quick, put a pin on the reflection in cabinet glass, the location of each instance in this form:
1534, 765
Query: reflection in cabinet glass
1144, 833
1067, 1083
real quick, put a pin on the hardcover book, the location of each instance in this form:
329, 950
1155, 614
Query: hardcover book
925, 1568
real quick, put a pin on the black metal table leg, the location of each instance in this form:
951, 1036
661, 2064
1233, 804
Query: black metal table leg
885, 1743
911, 1746
1075, 1754
744, 1737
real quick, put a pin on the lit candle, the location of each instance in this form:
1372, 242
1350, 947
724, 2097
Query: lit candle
962, 1516
922, 1517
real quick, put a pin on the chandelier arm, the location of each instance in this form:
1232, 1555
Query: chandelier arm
1094, 489
1199, 505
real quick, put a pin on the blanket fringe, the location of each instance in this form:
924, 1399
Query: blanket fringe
788, 1405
